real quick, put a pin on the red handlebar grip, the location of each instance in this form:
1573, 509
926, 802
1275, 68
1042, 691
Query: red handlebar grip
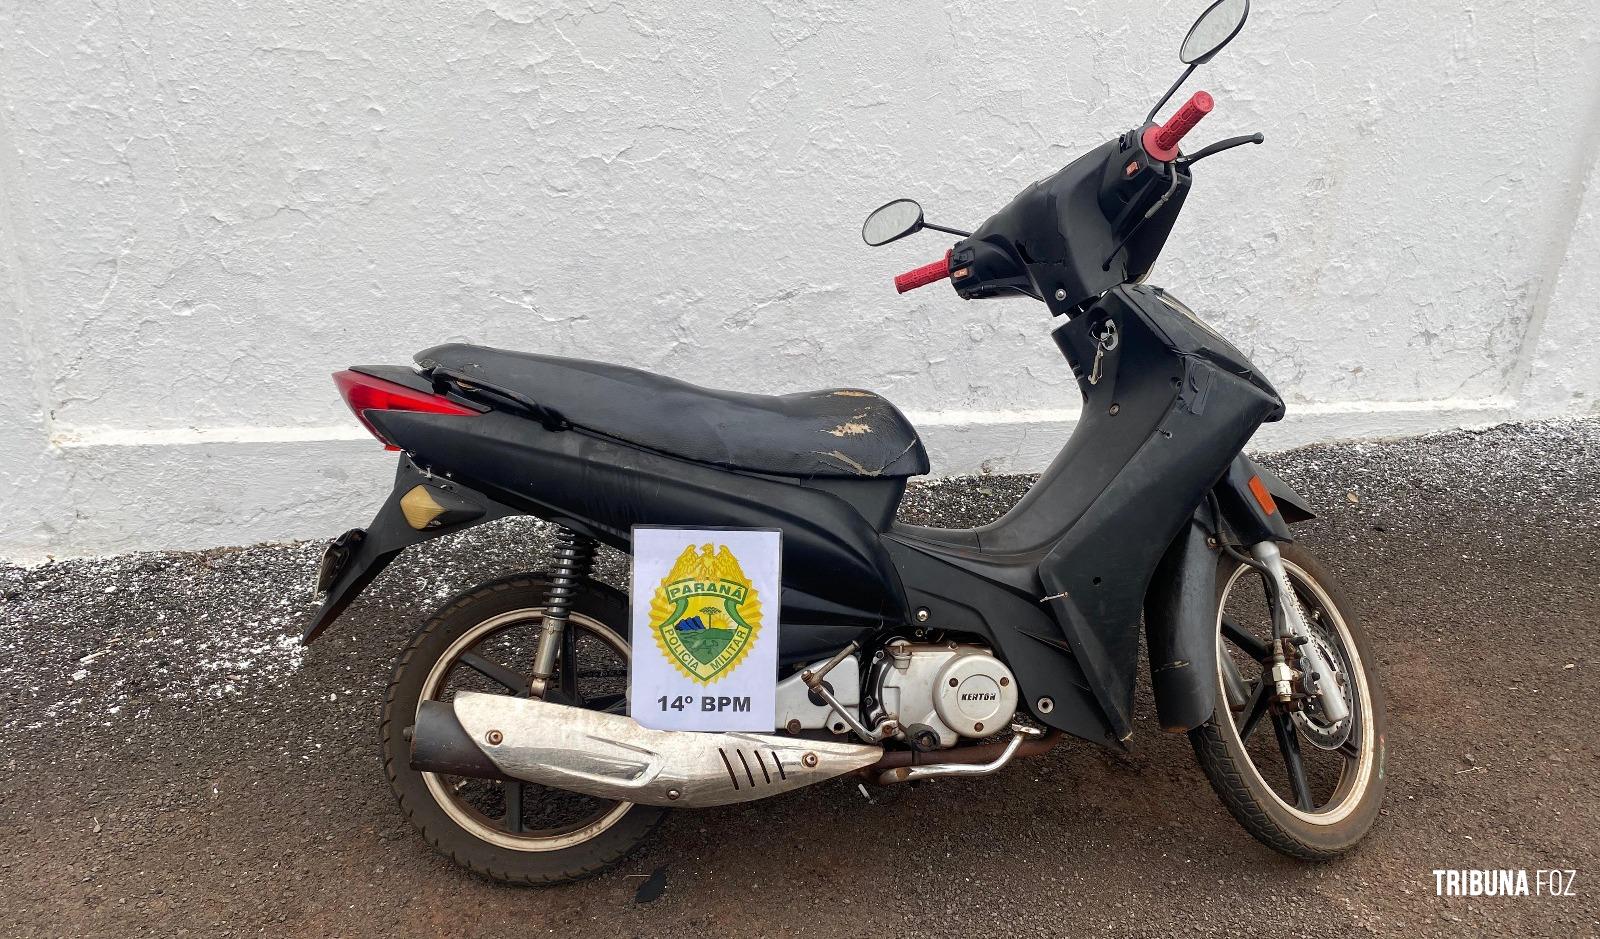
1162, 142
924, 275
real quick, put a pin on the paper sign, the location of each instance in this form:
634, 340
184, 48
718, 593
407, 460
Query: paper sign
705, 627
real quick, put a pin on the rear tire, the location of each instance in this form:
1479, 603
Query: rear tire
503, 849
1301, 827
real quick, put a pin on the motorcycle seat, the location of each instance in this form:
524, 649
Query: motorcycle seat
840, 433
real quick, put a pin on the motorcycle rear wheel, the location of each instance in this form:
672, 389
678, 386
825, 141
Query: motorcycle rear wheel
485, 640
1316, 792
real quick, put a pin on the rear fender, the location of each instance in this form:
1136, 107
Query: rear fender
421, 507
1181, 605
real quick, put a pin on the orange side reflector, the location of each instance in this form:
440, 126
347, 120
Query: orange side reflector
1263, 497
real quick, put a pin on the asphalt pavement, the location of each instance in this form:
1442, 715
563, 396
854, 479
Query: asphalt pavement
174, 763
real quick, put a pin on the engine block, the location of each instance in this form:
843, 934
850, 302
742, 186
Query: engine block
941, 692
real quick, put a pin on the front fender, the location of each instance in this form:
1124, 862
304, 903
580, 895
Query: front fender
1180, 626
356, 558
1180, 607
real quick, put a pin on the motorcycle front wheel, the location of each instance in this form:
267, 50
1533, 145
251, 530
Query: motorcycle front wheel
1298, 783
485, 640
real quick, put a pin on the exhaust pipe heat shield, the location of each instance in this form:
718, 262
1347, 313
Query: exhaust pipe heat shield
611, 756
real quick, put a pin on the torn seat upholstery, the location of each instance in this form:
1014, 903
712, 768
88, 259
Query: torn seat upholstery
834, 433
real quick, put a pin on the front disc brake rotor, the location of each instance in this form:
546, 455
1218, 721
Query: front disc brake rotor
1310, 720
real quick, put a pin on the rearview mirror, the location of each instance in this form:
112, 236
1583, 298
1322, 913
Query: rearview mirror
891, 222
1215, 28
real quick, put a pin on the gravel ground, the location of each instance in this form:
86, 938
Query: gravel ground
175, 764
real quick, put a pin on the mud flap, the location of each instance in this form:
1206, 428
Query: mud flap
420, 507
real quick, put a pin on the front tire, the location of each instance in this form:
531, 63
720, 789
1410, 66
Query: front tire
485, 640
1309, 790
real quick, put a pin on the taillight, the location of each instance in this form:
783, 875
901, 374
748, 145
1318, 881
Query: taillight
364, 393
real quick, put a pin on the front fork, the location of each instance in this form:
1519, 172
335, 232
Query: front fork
1289, 629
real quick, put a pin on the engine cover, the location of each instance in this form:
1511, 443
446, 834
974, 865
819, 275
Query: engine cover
941, 692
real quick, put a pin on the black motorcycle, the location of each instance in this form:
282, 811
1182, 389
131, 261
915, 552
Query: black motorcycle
906, 652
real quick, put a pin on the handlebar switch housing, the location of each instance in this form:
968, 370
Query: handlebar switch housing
981, 269
1127, 174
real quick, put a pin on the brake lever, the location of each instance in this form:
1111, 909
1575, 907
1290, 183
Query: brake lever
1220, 146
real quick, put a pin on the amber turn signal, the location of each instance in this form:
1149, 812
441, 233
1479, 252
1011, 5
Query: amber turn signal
1263, 497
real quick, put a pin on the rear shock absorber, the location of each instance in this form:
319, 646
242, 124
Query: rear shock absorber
573, 560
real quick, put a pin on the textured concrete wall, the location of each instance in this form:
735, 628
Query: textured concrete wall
207, 207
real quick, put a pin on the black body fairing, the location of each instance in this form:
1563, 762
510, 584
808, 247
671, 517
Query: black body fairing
1076, 234
838, 579
1056, 585
1172, 407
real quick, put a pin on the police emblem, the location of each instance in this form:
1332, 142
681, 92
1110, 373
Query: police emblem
705, 614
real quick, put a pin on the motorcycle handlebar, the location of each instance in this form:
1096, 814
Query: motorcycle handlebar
1162, 142
924, 275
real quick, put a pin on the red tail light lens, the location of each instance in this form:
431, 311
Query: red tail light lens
364, 393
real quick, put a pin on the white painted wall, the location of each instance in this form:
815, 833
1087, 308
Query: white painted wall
207, 206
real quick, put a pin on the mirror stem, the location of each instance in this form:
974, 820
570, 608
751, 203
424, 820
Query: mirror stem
948, 231
1170, 92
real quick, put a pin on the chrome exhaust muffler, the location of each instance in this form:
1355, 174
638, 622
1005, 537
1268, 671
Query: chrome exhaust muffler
611, 756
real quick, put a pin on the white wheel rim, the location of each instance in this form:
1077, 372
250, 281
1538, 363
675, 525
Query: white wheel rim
1336, 812
470, 821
